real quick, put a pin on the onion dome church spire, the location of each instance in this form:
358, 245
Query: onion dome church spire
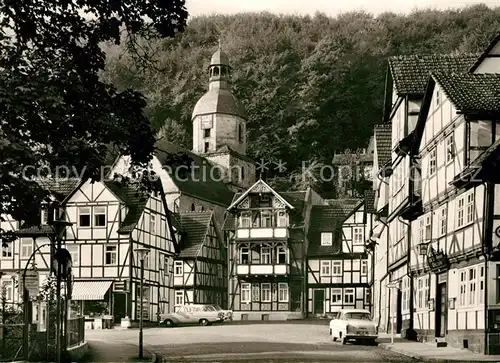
219, 119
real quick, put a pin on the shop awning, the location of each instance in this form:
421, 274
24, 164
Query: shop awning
90, 290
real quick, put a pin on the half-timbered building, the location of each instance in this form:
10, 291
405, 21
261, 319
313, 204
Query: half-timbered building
266, 233
109, 222
338, 265
33, 243
405, 86
200, 268
455, 248
379, 232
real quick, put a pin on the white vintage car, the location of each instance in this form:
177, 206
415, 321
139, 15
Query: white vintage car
353, 324
192, 314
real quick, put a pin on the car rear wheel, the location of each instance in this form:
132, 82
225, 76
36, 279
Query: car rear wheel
168, 323
204, 322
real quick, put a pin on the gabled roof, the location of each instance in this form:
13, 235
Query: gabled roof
329, 218
192, 174
194, 227
296, 199
259, 186
411, 72
60, 188
488, 49
471, 92
486, 163
134, 198
383, 143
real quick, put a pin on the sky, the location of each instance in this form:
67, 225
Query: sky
329, 7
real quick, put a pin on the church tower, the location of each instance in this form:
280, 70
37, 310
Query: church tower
219, 125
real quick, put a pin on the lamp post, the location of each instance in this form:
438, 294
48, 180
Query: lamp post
142, 252
59, 225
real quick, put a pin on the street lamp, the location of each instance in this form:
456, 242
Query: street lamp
59, 226
142, 252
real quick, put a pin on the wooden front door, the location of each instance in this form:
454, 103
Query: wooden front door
319, 302
441, 310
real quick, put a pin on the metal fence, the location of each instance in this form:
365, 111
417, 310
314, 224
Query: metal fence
38, 345
76, 331
11, 330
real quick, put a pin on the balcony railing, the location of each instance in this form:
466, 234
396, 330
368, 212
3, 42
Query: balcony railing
262, 269
262, 232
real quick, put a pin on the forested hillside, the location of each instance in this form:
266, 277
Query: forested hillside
311, 85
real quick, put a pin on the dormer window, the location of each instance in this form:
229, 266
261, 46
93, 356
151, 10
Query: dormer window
326, 238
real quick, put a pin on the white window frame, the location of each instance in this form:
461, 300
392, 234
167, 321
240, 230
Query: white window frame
99, 211
265, 255
432, 162
26, 247
266, 219
283, 292
244, 251
74, 251
357, 236
44, 216
282, 251
84, 211
152, 223
7, 252
8, 285
246, 293
179, 298
420, 293
364, 268
351, 294
481, 285
421, 230
461, 211
470, 208
326, 238
471, 286
368, 296
450, 149
282, 219
428, 227
220, 272
336, 268
113, 252
462, 298
265, 292
178, 268
443, 221
326, 269
246, 220
336, 296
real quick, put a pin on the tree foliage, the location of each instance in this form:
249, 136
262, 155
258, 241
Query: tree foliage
311, 85
55, 110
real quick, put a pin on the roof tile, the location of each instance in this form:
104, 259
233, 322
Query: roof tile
471, 92
411, 72
383, 140
202, 180
194, 228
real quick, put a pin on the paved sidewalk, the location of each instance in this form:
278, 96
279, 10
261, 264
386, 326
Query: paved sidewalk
431, 353
101, 351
